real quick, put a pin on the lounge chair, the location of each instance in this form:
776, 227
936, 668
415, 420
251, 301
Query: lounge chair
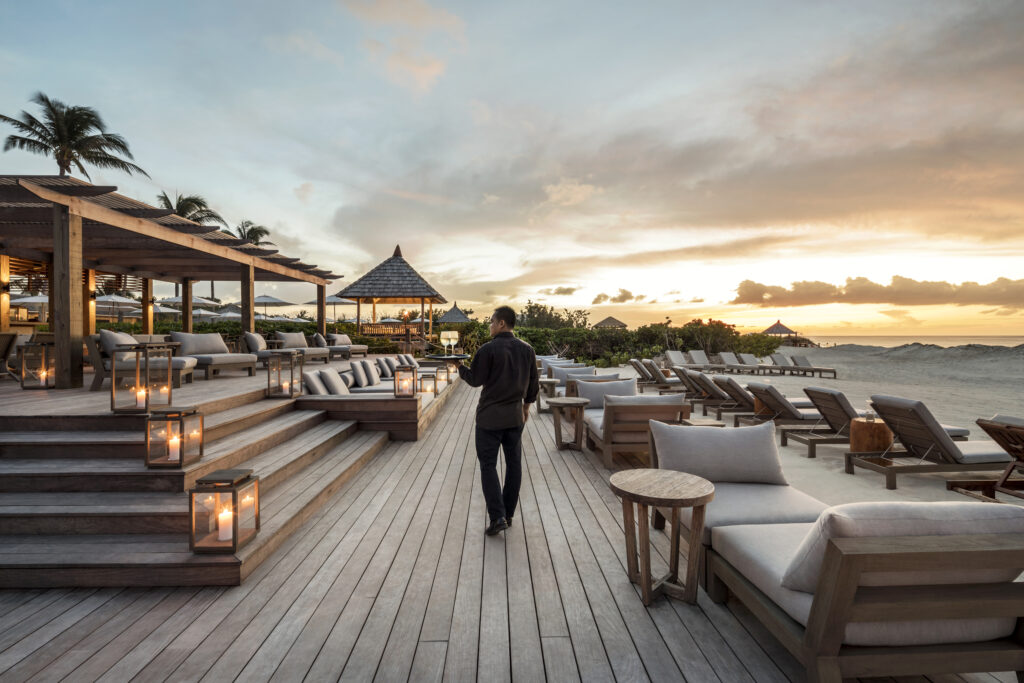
342, 351
742, 400
101, 355
211, 353
344, 340
752, 364
784, 365
699, 361
730, 363
712, 394
690, 389
617, 419
644, 376
780, 410
662, 381
928, 447
837, 412
674, 357
803, 363
1008, 432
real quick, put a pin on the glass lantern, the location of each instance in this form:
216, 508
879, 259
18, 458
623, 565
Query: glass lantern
442, 378
37, 366
405, 381
428, 384
224, 509
284, 373
174, 437
140, 378
453, 372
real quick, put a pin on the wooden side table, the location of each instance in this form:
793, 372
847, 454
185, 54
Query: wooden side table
557, 405
547, 390
869, 436
662, 488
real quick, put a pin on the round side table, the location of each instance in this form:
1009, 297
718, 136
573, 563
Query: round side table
547, 390
557, 405
662, 488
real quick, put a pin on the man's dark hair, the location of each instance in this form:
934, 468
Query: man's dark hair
506, 315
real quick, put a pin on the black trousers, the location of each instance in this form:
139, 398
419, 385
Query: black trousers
501, 501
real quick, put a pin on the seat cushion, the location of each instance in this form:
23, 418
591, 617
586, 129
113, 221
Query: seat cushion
981, 452
333, 382
314, 352
762, 552
755, 504
594, 418
199, 344
319, 341
956, 432
387, 387
177, 363
109, 340
901, 518
203, 360
314, 386
254, 342
744, 454
595, 392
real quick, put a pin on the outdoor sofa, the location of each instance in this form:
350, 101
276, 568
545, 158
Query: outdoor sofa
345, 340
342, 351
212, 354
285, 341
855, 590
102, 351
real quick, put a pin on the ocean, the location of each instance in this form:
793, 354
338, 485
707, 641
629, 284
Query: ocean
892, 341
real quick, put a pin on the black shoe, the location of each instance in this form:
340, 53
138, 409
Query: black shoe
496, 526
508, 522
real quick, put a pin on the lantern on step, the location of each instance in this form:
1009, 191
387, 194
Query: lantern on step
174, 437
284, 373
428, 384
224, 510
405, 381
37, 365
453, 372
441, 378
140, 377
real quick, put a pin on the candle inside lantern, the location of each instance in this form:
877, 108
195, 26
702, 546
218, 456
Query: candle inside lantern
405, 385
174, 448
224, 531
42, 378
246, 507
163, 392
284, 387
140, 398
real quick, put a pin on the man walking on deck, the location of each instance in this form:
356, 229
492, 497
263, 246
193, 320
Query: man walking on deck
506, 368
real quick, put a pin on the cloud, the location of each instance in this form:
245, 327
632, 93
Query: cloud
306, 43
413, 14
902, 291
623, 296
304, 192
599, 299
569, 192
405, 63
696, 300
901, 315
560, 291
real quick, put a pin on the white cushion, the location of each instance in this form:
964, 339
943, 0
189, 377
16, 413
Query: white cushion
755, 504
199, 344
255, 342
383, 368
561, 372
370, 369
359, 374
319, 340
392, 365
761, 553
109, 340
745, 454
875, 520
333, 382
342, 339
981, 452
292, 340
313, 384
596, 391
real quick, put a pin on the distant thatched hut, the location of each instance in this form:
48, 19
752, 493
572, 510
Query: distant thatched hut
779, 329
610, 323
454, 316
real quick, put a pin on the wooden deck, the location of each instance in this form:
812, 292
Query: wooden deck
394, 579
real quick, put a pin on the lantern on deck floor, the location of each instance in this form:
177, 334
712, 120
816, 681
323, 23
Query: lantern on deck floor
284, 373
405, 381
174, 437
37, 366
224, 509
442, 378
140, 378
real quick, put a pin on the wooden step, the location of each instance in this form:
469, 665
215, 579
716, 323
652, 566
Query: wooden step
73, 444
27, 475
233, 420
93, 513
45, 561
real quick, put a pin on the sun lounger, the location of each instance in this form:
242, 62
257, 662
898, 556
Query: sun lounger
1008, 432
742, 400
753, 365
662, 381
804, 364
644, 376
837, 412
780, 410
784, 365
712, 395
730, 363
928, 446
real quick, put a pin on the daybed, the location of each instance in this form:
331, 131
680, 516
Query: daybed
101, 349
345, 340
211, 353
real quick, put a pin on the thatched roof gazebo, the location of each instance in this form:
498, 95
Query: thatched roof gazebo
779, 329
610, 323
454, 316
393, 281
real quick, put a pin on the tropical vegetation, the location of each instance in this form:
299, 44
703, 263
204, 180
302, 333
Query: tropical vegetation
257, 234
191, 207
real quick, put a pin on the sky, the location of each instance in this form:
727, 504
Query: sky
849, 168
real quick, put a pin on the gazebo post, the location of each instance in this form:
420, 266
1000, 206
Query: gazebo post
88, 303
66, 297
147, 306
321, 309
186, 305
431, 318
359, 316
5, 294
248, 296
423, 322
374, 317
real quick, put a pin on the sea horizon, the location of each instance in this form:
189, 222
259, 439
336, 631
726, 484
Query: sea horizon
888, 341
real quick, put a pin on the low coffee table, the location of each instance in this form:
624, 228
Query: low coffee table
547, 390
557, 405
662, 488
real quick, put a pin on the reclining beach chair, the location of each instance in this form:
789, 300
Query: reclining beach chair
838, 413
713, 396
752, 364
802, 363
674, 357
1008, 432
730, 363
785, 366
781, 410
928, 447
742, 400
644, 376
699, 361
661, 380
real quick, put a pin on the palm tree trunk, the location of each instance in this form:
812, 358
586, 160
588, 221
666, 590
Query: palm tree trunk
211, 290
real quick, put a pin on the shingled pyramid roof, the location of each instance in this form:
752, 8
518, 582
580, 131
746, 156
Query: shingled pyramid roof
611, 322
454, 315
778, 328
393, 281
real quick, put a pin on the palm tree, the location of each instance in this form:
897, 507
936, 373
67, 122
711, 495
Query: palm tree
247, 230
71, 135
191, 207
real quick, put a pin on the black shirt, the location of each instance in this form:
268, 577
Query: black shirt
506, 367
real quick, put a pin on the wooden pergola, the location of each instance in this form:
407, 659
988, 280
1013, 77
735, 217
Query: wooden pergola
394, 281
78, 229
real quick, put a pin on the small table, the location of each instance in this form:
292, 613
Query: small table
560, 403
662, 488
547, 389
869, 436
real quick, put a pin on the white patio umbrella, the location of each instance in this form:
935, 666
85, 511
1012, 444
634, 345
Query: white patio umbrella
196, 300
203, 313
333, 302
265, 300
26, 300
117, 302
230, 315
389, 320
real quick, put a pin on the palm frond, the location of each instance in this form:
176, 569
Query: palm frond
29, 144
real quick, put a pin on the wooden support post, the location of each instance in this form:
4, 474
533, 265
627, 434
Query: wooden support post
248, 296
373, 318
431, 332
66, 297
186, 305
5, 294
423, 321
88, 302
359, 316
147, 306
321, 309
49, 293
